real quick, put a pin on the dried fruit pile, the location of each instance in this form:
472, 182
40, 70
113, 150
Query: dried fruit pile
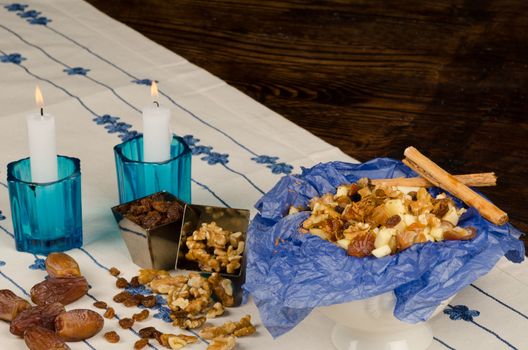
48, 325
216, 249
152, 211
380, 220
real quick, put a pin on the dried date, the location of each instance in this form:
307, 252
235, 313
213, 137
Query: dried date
61, 265
38, 338
43, 316
79, 324
362, 245
63, 290
11, 305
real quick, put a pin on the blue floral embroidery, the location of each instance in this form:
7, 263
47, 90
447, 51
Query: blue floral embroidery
265, 159
141, 289
216, 158
105, 119
76, 71
128, 135
15, 7
280, 168
147, 82
2, 263
461, 312
39, 20
163, 314
15, 58
119, 127
190, 140
197, 150
39, 264
2, 216
29, 14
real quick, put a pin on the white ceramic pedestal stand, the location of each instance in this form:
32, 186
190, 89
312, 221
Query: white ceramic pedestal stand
370, 325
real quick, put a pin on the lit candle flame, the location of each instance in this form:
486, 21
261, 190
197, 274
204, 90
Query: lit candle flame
154, 89
38, 97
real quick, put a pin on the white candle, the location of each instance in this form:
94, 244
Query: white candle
157, 136
42, 144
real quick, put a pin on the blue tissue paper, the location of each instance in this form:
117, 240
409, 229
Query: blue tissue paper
290, 273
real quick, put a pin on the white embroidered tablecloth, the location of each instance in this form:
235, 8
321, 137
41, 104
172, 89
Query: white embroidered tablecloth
95, 75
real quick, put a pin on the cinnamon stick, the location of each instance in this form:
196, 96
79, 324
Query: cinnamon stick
427, 169
473, 180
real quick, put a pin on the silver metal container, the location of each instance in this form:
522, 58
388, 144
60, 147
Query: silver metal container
154, 248
234, 220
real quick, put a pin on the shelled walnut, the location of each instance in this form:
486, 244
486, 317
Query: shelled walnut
222, 343
242, 328
215, 249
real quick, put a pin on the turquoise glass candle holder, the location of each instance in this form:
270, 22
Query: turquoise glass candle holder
137, 178
47, 217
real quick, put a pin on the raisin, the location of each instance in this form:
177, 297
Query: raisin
361, 245
149, 301
114, 271
148, 332
141, 316
126, 323
134, 282
440, 208
121, 297
161, 206
152, 219
413, 195
121, 283
109, 313
100, 305
140, 344
393, 221
112, 337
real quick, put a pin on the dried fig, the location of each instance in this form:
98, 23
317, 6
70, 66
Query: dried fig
11, 305
62, 265
62, 290
43, 316
79, 324
38, 338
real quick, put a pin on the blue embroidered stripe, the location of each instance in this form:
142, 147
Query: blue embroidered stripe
499, 301
211, 191
444, 344
495, 334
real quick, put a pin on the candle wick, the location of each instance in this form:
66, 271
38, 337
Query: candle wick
41, 111
156, 103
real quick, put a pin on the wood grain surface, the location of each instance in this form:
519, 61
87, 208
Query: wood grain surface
371, 77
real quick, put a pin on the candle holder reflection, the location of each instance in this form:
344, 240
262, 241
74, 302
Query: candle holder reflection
137, 178
47, 217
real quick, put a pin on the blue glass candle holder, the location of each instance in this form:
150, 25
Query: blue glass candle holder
137, 178
47, 217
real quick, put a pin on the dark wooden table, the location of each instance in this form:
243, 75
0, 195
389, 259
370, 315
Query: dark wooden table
371, 77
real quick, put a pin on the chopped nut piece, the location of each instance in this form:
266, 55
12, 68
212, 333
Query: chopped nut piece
141, 316
114, 271
109, 313
148, 275
245, 331
216, 310
189, 323
222, 288
100, 305
164, 285
126, 323
140, 344
112, 337
222, 343
176, 342
239, 329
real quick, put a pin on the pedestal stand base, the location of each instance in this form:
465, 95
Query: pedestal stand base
418, 337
